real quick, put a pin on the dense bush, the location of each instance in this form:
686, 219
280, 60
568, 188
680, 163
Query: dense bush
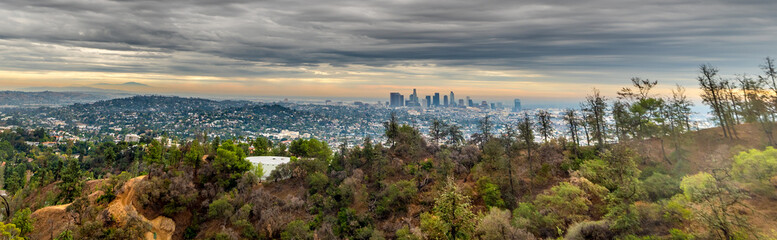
310, 148
297, 230
395, 197
598, 230
755, 166
490, 193
564, 204
660, 186
497, 225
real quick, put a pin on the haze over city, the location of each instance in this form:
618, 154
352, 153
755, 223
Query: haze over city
536, 50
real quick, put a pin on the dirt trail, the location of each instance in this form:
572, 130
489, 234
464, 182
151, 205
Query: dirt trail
162, 228
52, 220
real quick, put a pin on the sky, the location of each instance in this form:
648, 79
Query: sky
542, 50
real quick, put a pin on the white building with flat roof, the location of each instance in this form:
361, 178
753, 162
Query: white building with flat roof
131, 138
269, 163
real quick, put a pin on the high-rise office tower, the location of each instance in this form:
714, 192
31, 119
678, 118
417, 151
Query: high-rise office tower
396, 99
493, 105
469, 102
428, 101
445, 100
517, 107
453, 100
461, 102
413, 101
436, 100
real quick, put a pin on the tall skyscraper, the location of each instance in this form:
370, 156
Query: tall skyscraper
461, 103
517, 107
413, 101
469, 102
428, 101
453, 100
396, 99
436, 100
445, 100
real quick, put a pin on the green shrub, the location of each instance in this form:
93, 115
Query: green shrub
317, 182
661, 186
220, 209
496, 226
23, 221
490, 192
395, 197
599, 230
596, 170
565, 204
755, 166
65, 235
297, 230
677, 234
405, 234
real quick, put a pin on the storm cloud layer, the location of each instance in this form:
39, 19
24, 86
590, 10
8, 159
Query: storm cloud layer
397, 41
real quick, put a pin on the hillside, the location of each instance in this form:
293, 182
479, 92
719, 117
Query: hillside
403, 189
705, 149
48, 98
51, 221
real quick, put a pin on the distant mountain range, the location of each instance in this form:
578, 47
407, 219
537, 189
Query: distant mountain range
129, 84
49, 98
127, 88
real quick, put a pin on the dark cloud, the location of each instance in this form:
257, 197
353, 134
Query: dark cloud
227, 38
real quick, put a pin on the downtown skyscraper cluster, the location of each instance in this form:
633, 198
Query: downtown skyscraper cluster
437, 101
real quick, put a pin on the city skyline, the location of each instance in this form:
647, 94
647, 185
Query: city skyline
397, 99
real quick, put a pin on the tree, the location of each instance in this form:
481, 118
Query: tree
262, 146
526, 134
486, 126
71, 184
259, 171
23, 221
573, 124
679, 116
391, 129
9, 231
546, 126
438, 131
451, 216
623, 120
712, 94
155, 154
720, 203
595, 106
310, 148
230, 164
193, 157
454, 134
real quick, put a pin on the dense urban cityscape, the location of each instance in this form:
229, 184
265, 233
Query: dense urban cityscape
334, 122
